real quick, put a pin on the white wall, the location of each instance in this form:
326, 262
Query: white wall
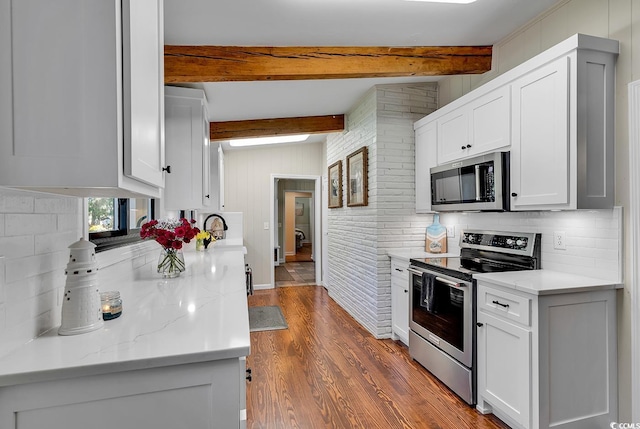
359, 237
247, 189
615, 19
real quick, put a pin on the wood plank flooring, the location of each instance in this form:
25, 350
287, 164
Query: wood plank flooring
326, 371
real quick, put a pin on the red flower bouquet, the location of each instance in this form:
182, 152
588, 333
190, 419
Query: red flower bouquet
170, 234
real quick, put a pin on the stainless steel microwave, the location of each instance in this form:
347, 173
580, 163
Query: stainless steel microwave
480, 183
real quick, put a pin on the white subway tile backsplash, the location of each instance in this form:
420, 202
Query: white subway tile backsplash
22, 268
49, 243
17, 246
15, 202
24, 224
56, 205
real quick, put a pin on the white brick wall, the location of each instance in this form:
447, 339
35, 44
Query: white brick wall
359, 237
35, 232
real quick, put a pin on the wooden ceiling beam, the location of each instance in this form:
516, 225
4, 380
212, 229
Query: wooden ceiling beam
184, 64
276, 127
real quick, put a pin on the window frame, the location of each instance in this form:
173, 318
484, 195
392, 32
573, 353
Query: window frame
122, 234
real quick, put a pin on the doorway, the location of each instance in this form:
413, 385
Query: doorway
295, 226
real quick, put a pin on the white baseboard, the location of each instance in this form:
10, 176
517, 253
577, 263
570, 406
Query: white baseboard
263, 286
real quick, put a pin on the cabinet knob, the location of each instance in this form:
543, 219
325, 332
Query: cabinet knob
463, 147
479, 325
468, 146
167, 169
513, 194
206, 196
406, 291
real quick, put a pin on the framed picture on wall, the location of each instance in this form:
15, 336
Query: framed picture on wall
357, 178
335, 185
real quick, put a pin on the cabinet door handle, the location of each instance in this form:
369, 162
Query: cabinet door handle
513, 194
399, 270
406, 291
167, 169
206, 196
479, 324
463, 147
249, 374
500, 304
468, 146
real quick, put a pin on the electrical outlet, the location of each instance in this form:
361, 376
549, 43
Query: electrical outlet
559, 240
451, 231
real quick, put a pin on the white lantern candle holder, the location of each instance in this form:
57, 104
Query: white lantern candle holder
81, 309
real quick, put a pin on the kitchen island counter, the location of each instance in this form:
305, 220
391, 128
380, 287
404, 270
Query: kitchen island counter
182, 340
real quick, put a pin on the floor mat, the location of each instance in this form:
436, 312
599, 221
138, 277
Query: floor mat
266, 318
282, 275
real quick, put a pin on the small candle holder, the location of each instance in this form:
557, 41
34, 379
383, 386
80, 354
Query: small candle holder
111, 304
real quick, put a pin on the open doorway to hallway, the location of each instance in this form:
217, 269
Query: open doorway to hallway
296, 230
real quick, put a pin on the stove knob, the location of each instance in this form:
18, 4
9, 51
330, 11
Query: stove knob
509, 241
519, 242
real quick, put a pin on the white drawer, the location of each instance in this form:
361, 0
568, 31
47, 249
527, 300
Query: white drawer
399, 270
504, 304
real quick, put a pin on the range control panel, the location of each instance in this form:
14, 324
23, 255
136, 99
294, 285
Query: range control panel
518, 242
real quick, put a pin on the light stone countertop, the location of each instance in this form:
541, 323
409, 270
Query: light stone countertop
200, 316
407, 254
546, 282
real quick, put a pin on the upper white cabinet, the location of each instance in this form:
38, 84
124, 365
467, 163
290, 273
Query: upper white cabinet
216, 178
477, 127
554, 113
426, 152
81, 97
187, 149
563, 130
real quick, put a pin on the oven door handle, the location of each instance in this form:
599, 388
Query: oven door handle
414, 271
450, 283
438, 278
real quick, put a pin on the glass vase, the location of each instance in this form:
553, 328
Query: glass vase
171, 263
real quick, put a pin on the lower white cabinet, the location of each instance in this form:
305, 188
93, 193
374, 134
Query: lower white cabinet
195, 396
547, 360
399, 300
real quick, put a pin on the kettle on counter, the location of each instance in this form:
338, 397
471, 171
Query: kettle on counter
218, 228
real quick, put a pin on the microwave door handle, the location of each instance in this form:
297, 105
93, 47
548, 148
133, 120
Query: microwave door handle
478, 198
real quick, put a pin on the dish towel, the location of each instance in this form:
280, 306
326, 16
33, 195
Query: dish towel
427, 293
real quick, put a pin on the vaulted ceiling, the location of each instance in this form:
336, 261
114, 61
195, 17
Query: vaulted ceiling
324, 39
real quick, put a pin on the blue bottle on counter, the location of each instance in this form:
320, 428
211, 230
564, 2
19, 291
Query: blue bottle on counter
436, 241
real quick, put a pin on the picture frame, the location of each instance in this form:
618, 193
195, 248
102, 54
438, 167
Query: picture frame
335, 185
357, 189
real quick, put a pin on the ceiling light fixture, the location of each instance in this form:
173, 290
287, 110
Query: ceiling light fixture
446, 1
268, 140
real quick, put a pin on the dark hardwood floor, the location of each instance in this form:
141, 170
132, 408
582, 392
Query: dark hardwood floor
326, 371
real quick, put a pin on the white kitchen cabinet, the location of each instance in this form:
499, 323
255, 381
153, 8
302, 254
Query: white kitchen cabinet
482, 125
400, 300
217, 177
82, 113
187, 149
563, 131
426, 157
547, 360
200, 395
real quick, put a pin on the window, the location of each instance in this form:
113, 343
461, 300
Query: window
115, 222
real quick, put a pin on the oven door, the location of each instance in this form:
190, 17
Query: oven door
442, 312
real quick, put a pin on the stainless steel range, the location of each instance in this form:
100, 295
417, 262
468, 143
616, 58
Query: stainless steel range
442, 293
